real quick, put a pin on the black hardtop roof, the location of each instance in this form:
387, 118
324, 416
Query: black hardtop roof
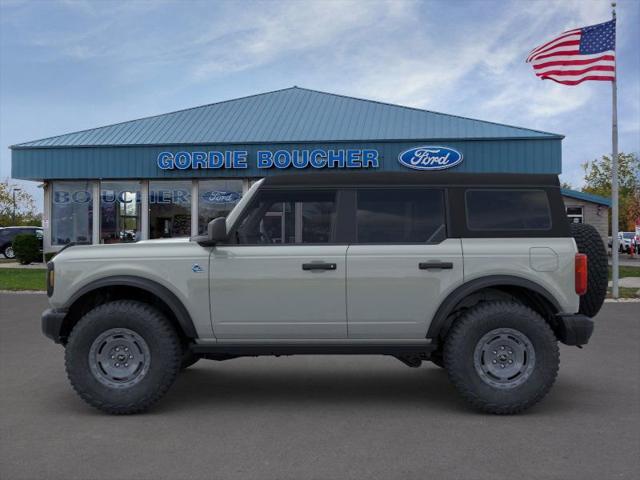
411, 178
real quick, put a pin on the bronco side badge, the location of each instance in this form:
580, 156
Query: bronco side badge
196, 268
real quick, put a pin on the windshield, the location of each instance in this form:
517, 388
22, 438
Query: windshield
628, 234
246, 198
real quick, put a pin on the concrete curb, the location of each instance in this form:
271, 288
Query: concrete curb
622, 300
24, 292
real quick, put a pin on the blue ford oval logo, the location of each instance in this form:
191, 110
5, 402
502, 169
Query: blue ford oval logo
430, 158
220, 197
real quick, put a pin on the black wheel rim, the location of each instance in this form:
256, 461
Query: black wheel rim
504, 358
119, 358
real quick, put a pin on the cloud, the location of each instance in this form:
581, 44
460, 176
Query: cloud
282, 30
146, 57
536, 101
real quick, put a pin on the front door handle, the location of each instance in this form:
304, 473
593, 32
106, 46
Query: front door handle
319, 266
435, 265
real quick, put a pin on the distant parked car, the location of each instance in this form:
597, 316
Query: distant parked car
7, 235
625, 241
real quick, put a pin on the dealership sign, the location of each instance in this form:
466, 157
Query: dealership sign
161, 196
430, 158
265, 159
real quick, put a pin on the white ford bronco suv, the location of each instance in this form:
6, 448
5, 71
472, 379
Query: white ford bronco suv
479, 274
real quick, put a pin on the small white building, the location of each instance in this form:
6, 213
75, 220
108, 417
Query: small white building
588, 208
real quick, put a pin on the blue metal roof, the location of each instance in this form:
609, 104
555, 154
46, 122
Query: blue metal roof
587, 197
289, 116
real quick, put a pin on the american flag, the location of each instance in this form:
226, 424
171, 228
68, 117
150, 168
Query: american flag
587, 53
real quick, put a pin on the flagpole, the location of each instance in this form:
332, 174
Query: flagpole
614, 176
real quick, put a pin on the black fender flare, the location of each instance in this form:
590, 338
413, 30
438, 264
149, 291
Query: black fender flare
441, 321
163, 293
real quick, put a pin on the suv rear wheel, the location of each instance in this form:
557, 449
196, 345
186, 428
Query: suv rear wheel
123, 356
502, 357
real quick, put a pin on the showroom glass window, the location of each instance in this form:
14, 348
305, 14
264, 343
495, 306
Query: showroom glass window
119, 212
169, 209
71, 213
289, 217
400, 216
216, 198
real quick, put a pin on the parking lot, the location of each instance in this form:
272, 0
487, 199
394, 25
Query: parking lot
319, 417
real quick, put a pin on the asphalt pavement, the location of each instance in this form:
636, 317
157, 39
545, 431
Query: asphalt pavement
319, 417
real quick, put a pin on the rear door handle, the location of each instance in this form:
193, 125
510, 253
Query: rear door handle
435, 265
319, 266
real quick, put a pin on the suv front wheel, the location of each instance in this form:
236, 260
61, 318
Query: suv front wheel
502, 357
123, 356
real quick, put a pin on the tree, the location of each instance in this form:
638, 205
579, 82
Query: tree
598, 181
25, 207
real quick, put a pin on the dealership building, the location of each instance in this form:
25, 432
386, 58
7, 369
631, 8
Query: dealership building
169, 175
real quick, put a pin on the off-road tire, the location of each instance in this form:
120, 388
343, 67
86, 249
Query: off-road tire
188, 359
164, 350
468, 331
590, 243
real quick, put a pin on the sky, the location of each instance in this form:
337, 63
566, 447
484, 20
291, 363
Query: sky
72, 65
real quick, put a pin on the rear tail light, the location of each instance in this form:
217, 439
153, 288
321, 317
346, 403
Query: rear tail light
581, 273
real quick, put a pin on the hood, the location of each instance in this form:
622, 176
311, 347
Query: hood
143, 248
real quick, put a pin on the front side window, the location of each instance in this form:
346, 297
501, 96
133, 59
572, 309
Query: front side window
507, 210
289, 217
71, 213
400, 216
216, 198
169, 209
119, 212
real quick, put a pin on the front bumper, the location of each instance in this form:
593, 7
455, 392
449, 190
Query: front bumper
574, 329
52, 320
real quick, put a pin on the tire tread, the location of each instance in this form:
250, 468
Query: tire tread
163, 328
478, 317
590, 243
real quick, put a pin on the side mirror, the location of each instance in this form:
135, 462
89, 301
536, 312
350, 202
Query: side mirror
217, 230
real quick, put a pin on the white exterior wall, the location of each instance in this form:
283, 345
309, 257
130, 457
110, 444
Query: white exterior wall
593, 214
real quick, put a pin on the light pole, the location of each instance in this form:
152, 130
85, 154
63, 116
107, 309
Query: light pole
14, 203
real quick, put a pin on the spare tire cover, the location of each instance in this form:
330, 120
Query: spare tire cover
590, 243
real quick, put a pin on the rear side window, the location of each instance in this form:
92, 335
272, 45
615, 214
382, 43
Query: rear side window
507, 210
400, 216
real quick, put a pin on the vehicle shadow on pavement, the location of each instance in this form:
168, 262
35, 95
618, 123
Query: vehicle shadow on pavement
212, 384
427, 385
227, 388
207, 384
